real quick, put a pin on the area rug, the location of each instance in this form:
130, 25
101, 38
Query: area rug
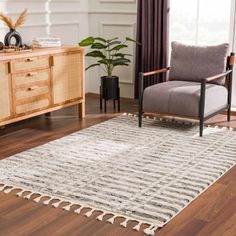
147, 175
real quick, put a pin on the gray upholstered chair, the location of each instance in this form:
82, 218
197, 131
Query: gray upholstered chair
199, 85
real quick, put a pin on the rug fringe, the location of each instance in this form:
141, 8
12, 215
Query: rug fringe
29, 196
68, 207
46, 202
112, 219
124, 223
21, 193
178, 121
38, 199
77, 211
57, 204
8, 189
138, 226
100, 217
151, 230
2, 188
89, 213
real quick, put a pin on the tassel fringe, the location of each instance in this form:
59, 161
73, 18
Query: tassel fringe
151, 230
38, 199
2, 188
8, 189
112, 219
179, 121
89, 213
67, 208
57, 204
100, 217
47, 201
77, 211
137, 227
28, 196
19, 194
124, 223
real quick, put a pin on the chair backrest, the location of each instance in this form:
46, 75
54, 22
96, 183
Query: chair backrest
194, 63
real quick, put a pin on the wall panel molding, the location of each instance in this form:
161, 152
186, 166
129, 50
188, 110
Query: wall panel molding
132, 26
73, 20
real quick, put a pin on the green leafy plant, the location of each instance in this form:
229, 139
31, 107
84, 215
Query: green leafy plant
108, 52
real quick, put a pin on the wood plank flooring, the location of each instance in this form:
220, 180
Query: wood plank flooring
212, 214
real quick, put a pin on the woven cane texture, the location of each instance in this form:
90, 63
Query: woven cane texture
67, 77
44, 103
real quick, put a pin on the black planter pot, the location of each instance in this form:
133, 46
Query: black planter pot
110, 90
13, 34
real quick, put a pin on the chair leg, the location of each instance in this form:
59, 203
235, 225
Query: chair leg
229, 114
201, 126
140, 118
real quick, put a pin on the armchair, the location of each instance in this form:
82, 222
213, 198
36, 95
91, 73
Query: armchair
199, 85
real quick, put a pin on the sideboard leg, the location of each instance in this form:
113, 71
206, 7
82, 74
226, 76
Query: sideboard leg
82, 110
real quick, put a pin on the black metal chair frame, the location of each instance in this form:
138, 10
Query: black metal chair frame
229, 78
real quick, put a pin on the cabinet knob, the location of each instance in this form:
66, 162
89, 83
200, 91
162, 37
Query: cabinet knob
31, 74
30, 59
32, 88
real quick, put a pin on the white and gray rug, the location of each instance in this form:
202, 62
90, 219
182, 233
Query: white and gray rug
147, 174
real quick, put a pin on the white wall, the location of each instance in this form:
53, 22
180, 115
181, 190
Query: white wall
73, 20
109, 19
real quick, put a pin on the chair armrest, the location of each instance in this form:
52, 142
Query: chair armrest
156, 72
212, 78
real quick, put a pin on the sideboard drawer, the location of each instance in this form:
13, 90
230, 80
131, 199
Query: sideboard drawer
31, 77
30, 64
31, 91
32, 107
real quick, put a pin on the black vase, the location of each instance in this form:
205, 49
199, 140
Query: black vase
110, 87
13, 34
110, 90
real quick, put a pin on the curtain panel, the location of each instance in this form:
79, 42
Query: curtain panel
153, 34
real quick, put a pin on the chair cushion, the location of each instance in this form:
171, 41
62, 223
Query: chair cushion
182, 98
193, 63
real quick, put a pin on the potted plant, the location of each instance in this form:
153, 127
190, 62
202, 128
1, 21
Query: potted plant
108, 53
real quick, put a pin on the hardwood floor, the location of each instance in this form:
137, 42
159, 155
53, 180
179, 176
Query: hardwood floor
212, 214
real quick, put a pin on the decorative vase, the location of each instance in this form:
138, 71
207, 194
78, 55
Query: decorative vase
110, 90
13, 34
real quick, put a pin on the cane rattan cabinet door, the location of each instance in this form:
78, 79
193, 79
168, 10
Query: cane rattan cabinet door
5, 94
67, 73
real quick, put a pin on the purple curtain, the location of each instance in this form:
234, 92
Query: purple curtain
153, 34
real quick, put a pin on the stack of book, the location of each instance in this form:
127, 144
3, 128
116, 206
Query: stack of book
46, 42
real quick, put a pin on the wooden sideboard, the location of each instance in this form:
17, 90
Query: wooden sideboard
40, 81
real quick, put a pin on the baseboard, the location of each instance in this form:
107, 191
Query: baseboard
96, 95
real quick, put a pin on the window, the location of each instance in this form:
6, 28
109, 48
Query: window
200, 21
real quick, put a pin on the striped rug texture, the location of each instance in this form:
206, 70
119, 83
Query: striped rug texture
147, 175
